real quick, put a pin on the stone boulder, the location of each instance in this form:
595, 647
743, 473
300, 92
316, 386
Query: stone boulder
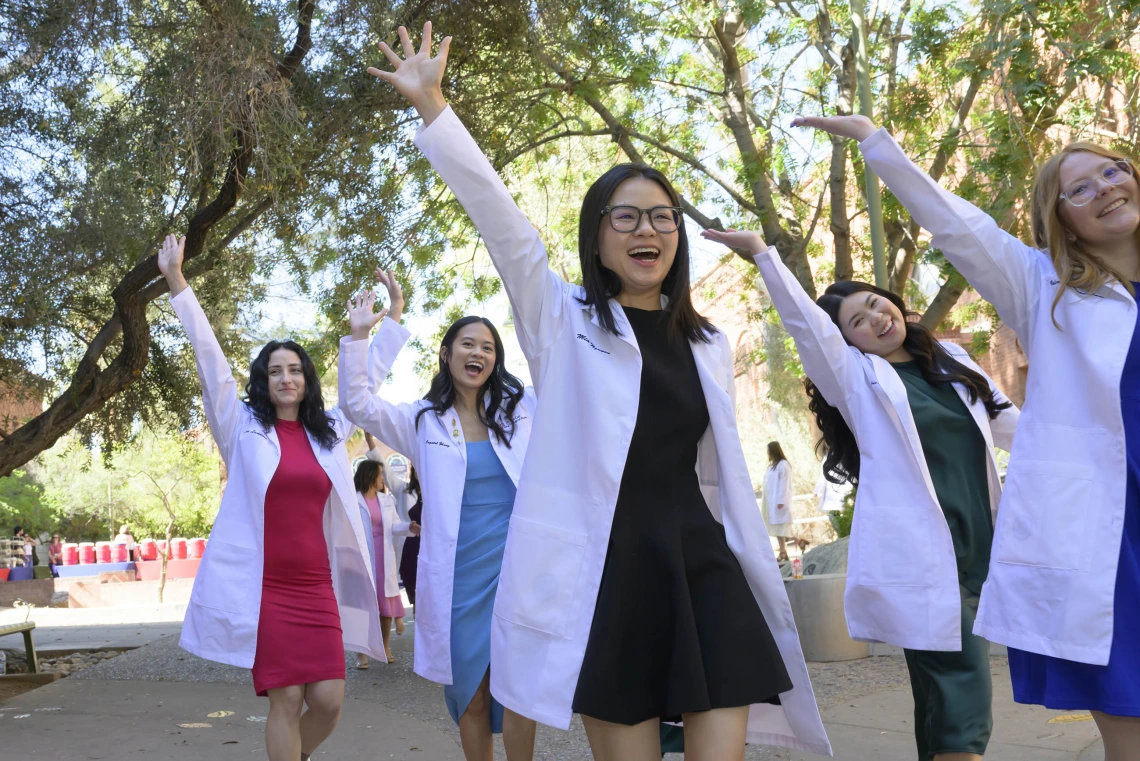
826, 558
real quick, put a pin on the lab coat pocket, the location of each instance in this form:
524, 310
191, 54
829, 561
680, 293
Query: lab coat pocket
540, 574
218, 583
1043, 520
897, 546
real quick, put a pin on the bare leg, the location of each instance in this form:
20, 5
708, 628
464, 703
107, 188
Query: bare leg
475, 725
518, 736
324, 700
716, 735
1121, 736
783, 548
957, 757
399, 626
386, 634
283, 725
619, 742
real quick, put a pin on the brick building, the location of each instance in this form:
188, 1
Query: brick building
17, 406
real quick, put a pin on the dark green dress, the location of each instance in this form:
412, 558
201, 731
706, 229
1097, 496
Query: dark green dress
952, 691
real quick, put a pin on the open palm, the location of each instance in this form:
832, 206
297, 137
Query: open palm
856, 127
417, 76
361, 318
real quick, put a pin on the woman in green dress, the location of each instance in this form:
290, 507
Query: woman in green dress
913, 421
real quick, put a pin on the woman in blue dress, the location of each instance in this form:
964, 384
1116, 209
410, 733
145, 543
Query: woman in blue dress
466, 439
1064, 585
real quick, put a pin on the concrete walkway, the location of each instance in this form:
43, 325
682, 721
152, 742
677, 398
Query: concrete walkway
78, 719
134, 704
881, 727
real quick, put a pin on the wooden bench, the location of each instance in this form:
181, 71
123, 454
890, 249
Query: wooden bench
24, 628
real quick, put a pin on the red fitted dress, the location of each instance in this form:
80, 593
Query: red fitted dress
298, 635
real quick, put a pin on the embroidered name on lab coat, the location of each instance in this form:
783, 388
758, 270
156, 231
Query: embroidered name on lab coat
439, 443
582, 337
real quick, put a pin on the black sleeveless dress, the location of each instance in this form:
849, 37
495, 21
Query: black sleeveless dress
676, 629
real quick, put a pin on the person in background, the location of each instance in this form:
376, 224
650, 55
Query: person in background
29, 543
395, 476
124, 537
55, 554
372, 493
411, 555
778, 498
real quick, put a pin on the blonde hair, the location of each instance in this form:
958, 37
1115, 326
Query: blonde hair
1076, 267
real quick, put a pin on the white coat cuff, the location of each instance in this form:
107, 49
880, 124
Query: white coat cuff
771, 251
391, 326
876, 139
430, 133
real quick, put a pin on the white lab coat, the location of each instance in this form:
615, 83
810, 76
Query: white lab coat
1057, 539
397, 484
830, 495
438, 451
588, 383
777, 495
391, 528
901, 556
225, 604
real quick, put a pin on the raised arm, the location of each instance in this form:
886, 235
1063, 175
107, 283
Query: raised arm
536, 293
394, 424
220, 398
1000, 267
826, 357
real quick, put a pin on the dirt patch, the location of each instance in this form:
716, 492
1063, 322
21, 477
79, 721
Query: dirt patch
12, 689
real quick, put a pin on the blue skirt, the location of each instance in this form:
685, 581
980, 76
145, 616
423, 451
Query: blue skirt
488, 499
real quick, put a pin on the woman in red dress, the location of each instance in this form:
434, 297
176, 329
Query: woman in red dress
264, 595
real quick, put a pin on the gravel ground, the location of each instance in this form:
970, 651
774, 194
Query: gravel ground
396, 686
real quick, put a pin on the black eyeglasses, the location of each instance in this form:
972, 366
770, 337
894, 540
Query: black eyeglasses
626, 219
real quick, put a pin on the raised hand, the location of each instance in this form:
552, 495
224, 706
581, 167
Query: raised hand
360, 316
395, 293
418, 76
170, 263
856, 127
746, 240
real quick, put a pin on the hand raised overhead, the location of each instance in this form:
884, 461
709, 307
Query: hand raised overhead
417, 76
170, 263
395, 293
857, 127
740, 240
361, 318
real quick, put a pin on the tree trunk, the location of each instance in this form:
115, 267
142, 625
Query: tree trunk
837, 184
92, 386
165, 554
947, 297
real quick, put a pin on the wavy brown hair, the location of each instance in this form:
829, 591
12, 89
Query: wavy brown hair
1076, 267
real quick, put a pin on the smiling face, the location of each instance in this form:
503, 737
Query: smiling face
871, 323
641, 259
471, 358
286, 378
1113, 213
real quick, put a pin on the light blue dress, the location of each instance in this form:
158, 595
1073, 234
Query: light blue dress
488, 498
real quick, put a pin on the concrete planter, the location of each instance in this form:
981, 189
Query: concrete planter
817, 604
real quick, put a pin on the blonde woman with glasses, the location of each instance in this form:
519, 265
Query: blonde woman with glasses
1064, 584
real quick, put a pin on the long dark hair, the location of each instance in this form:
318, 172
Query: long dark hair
504, 389
312, 414
841, 451
775, 453
365, 476
413, 483
602, 283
